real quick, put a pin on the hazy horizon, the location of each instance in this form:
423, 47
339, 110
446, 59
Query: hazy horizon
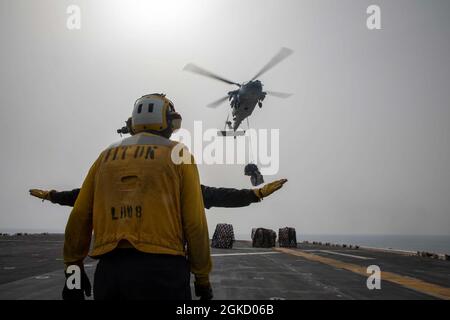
61, 231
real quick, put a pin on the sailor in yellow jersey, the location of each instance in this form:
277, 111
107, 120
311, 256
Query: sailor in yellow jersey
146, 214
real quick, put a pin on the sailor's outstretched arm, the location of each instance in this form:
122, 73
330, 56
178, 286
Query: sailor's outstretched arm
64, 198
212, 197
233, 198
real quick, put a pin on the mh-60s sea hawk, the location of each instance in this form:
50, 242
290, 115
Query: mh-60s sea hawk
249, 94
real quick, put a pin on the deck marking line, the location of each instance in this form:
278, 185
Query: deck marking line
407, 282
344, 254
242, 254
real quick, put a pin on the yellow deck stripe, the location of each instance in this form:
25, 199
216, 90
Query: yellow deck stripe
408, 282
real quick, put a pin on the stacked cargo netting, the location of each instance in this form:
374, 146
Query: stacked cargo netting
223, 237
287, 237
263, 238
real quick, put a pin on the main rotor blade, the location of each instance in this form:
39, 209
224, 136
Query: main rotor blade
280, 56
217, 103
279, 94
196, 69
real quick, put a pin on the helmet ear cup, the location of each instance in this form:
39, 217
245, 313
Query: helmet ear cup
174, 119
130, 126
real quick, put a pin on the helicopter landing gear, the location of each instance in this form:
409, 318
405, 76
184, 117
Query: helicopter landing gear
261, 99
230, 132
227, 123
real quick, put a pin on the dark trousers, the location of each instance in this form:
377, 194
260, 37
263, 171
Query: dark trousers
128, 274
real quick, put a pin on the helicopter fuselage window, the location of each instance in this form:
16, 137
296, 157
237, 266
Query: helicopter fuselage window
139, 110
150, 107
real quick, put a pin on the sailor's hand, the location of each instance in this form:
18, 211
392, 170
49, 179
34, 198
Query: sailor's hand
41, 194
269, 188
204, 291
77, 294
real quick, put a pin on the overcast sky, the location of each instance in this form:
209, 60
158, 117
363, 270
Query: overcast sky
364, 140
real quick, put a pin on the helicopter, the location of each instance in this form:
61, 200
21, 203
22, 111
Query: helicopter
249, 94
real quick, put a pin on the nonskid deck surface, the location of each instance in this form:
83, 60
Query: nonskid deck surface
31, 268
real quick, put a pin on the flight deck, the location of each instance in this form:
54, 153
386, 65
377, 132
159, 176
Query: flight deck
31, 267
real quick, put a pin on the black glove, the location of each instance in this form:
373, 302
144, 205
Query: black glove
77, 294
203, 291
